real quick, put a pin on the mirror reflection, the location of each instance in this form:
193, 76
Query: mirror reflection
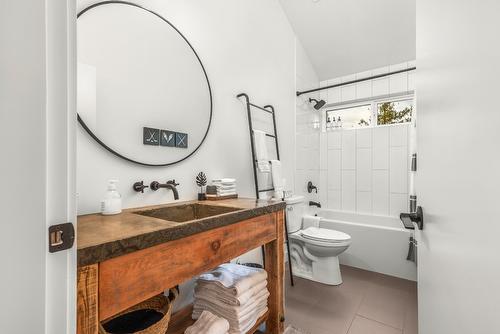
142, 90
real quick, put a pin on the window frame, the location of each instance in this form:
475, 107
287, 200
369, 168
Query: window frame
373, 103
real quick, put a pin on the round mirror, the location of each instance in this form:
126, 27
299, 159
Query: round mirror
143, 93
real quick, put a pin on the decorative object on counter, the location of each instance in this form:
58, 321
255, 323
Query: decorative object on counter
139, 186
201, 181
224, 188
211, 190
208, 323
220, 198
149, 317
235, 292
155, 185
112, 202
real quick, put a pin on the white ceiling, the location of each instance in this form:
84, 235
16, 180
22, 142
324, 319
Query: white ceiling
349, 36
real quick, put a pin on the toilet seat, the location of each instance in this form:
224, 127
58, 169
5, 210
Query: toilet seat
322, 242
325, 235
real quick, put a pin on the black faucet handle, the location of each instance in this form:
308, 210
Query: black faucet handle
311, 187
172, 182
139, 187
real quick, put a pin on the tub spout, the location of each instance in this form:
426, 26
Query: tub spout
312, 203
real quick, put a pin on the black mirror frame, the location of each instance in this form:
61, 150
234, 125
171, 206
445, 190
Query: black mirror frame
109, 149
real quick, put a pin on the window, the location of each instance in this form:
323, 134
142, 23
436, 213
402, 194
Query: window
370, 114
351, 117
393, 112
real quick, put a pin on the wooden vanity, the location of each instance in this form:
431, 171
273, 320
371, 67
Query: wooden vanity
130, 257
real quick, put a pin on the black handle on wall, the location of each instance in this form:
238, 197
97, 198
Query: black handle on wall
415, 217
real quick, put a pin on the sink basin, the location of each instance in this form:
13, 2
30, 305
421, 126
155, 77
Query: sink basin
186, 212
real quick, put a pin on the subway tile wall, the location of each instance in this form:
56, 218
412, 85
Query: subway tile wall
359, 170
366, 170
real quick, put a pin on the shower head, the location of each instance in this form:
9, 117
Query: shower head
317, 104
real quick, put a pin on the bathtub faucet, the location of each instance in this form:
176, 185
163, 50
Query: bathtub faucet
311, 187
312, 203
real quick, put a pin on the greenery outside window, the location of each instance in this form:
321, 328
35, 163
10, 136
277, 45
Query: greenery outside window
394, 112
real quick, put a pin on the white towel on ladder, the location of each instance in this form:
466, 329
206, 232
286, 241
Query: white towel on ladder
259, 138
277, 178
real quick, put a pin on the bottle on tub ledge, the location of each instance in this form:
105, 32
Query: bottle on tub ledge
112, 202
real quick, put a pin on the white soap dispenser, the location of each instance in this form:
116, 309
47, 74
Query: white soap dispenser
112, 202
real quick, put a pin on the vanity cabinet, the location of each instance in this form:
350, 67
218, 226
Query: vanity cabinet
127, 276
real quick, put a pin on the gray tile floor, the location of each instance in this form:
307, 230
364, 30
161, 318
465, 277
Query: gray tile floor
366, 303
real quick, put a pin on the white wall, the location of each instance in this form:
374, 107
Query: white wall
245, 46
459, 163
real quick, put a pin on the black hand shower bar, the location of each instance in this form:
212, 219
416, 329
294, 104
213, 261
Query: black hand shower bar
356, 81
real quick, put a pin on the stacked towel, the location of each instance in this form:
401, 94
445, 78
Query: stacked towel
237, 293
208, 323
225, 187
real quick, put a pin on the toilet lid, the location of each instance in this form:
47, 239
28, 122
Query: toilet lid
325, 235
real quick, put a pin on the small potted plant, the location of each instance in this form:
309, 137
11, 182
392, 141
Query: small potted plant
201, 181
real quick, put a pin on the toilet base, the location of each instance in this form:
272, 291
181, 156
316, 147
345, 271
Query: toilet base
325, 270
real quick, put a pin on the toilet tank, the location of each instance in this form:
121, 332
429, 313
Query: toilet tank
295, 209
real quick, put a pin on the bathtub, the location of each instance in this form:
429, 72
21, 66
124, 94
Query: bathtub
378, 243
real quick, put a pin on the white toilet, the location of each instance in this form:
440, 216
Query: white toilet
314, 250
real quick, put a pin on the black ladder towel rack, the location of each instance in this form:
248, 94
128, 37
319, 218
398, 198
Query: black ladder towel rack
270, 110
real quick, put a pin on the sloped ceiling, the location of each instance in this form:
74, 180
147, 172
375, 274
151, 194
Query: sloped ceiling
348, 36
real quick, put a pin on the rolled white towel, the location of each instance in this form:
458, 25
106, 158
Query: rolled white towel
236, 278
208, 323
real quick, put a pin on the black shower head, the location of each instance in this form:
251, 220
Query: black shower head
317, 104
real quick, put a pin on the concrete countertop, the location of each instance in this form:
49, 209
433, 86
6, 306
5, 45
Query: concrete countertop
104, 237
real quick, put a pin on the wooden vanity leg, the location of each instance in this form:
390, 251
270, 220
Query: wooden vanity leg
87, 300
275, 267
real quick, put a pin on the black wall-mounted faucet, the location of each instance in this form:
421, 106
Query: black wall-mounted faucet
312, 203
155, 185
311, 187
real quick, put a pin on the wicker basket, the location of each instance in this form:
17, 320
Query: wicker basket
160, 303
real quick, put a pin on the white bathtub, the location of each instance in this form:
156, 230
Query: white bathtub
378, 243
